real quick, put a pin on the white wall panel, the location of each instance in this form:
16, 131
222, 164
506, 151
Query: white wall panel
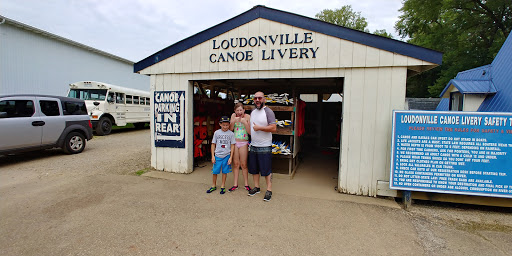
370, 95
473, 101
159, 160
368, 130
153, 86
383, 119
34, 63
332, 52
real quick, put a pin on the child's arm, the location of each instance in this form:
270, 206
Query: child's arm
246, 121
231, 153
213, 153
232, 121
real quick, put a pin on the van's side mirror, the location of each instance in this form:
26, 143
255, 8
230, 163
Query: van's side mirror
111, 100
96, 103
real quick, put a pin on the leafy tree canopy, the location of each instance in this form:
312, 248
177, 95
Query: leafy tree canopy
468, 32
348, 18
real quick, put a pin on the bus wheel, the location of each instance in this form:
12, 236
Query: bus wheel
139, 125
104, 126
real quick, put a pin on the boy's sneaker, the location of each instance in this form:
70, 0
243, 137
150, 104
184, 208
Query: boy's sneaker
247, 188
268, 196
211, 190
254, 191
233, 188
222, 191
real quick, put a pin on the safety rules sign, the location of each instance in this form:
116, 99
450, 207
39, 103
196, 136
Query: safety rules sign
452, 152
169, 122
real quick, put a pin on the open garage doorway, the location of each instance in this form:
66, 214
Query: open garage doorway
309, 115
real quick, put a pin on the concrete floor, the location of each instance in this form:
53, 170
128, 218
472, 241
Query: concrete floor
316, 177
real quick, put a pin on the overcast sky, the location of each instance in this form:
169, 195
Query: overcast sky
135, 29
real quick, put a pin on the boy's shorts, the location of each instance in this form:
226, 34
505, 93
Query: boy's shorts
260, 160
221, 164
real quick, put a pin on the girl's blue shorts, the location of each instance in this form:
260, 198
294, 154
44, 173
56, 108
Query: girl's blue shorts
221, 164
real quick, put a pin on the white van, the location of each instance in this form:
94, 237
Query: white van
112, 105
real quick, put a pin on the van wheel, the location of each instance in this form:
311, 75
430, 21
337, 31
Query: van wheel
74, 143
104, 126
139, 125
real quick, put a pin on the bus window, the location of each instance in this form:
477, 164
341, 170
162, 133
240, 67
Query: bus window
120, 98
129, 99
110, 97
88, 94
142, 99
148, 101
136, 100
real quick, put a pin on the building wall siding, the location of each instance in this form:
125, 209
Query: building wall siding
374, 85
369, 97
33, 63
332, 53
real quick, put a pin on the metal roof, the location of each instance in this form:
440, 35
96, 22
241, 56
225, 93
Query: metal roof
444, 105
59, 38
501, 72
295, 20
472, 86
494, 79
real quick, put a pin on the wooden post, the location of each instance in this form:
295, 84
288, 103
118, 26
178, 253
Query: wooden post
406, 199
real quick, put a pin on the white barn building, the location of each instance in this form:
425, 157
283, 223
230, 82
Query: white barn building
36, 61
276, 51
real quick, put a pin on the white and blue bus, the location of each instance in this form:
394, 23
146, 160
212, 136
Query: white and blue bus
112, 105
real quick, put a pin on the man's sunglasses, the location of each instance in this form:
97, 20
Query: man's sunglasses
258, 98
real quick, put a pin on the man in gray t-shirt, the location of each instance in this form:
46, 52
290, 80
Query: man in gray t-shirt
263, 124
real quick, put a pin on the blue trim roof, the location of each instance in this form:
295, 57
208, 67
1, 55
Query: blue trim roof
472, 86
297, 21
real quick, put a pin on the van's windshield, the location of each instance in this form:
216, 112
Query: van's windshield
88, 94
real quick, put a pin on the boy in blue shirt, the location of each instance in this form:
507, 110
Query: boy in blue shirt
223, 144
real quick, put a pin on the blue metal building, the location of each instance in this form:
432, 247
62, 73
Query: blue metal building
485, 89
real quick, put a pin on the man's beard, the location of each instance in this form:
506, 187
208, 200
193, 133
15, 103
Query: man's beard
261, 105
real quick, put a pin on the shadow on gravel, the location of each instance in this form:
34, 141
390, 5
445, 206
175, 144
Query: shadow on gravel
460, 206
6, 160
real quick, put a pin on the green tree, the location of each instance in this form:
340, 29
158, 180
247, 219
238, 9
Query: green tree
348, 18
382, 32
468, 32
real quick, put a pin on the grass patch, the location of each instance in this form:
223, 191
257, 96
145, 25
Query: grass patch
115, 127
140, 172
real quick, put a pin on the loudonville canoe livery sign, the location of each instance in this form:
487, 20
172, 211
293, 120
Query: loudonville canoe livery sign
452, 152
169, 122
242, 48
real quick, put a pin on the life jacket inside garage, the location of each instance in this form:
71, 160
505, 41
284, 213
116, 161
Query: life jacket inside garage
332, 89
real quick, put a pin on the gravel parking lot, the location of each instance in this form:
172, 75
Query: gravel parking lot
92, 204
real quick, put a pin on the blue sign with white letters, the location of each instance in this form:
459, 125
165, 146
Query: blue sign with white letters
169, 122
466, 153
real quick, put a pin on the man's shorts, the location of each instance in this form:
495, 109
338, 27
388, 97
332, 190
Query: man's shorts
260, 160
221, 164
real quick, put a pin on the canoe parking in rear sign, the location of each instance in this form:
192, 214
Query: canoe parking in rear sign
169, 121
